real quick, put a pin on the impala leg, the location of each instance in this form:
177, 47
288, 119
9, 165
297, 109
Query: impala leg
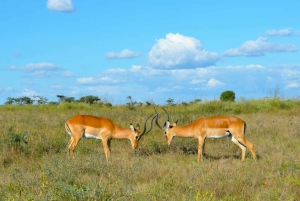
73, 143
200, 149
106, 147
248, 145
243, 148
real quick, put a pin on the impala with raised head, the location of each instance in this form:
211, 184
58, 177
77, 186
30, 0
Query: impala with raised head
209, 127
86, 126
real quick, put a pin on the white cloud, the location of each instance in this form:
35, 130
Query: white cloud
100, 80
197, 81
36, 67
28, 92
5, 90
57, 86
213, 82
293, 85
178, 51
60, 5
126, 53
258, 48
86, 80
42, 69
281, 32
68, 74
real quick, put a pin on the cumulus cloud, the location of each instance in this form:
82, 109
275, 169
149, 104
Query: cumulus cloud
281, 32
259, 47
178, 51
126, 53
60, 5
214, 82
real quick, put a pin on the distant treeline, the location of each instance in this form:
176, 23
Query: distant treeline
91, 99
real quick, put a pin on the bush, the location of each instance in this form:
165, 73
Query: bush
227, 96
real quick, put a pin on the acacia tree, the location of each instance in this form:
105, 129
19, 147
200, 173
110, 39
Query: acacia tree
170, 101
10, 101
89, 99
63, 98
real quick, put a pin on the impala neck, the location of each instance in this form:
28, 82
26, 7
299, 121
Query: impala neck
183, 131
121, 133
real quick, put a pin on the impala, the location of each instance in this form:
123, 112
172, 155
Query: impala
209, 127
101, 128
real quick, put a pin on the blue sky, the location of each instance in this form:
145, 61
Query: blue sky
149, 50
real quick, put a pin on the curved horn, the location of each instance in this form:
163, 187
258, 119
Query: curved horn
168, 117
145, 124
156, 121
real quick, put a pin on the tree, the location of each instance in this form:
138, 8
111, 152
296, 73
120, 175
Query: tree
10, 101
69, 99
89, 99
170, 101
227, 96
24, 100
61, 98
40, 100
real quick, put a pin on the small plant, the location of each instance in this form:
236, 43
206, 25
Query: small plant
17, 140
131, 104
227, 96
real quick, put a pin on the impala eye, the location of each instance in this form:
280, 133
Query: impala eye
166, 133
136, 137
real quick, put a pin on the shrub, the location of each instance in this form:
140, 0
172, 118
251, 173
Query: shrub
227, 96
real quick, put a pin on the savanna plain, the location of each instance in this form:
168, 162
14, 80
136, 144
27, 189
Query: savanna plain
35, 163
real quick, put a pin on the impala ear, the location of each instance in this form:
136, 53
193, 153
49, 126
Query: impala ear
175, 123
132, 128
168, 124
138, 126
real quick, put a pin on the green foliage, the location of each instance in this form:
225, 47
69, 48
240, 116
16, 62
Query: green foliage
227, 96
17, 140
131, 104
24, 100
40, 100
170, 101
90, 99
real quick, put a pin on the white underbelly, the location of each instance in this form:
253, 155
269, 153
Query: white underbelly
226, 134
86, 135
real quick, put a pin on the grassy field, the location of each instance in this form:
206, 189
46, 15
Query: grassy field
35, 164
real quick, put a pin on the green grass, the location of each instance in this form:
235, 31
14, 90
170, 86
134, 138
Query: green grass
42, 169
